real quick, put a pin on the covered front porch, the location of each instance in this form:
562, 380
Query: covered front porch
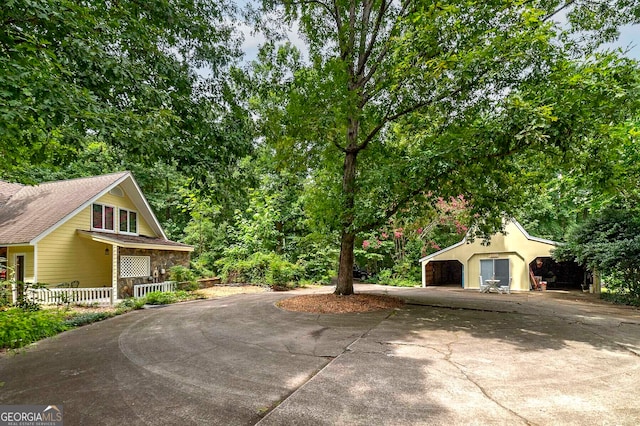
138, 264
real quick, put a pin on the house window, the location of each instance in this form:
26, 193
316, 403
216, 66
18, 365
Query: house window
128, 221
102, 217
495, 269
135, 266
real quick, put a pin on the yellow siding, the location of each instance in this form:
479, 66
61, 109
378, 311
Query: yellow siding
65, 256
27, 251
126, 203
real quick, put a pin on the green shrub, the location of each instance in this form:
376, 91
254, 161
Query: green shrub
319, 265
86, 318
160, 298
129, 304
187, 286
134, 303
182, 295
254, 269
387, 277
185, 277
261, 268
23, 301
200, 269
404, 282
5, 294
181, 274
384, 277
282, 273
608, 242
19, 327
621, 298
166, 298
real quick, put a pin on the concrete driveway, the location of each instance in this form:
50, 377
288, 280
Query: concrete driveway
448, 357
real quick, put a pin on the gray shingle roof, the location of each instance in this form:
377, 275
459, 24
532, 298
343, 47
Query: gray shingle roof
28, 211
7, 190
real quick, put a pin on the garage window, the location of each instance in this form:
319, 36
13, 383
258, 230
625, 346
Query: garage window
495, 268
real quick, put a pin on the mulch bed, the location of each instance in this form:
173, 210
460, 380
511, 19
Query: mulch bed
333, 304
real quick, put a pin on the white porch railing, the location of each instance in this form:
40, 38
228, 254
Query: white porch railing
140, 290
53, 296
88, 295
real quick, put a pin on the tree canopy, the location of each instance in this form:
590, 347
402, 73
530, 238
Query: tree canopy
123, 73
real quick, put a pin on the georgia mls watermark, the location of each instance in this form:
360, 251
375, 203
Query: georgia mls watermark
30, 415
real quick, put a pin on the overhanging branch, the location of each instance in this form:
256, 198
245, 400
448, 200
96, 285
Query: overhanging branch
402, 202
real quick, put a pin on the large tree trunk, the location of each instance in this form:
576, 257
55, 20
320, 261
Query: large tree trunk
345, 270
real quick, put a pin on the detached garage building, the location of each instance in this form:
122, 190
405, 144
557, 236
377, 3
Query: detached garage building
508, 256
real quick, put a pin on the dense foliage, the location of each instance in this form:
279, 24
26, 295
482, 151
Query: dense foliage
119, 72
608, 243
19, 327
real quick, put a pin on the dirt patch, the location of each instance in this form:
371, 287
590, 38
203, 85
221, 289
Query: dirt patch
333, 304
222, 291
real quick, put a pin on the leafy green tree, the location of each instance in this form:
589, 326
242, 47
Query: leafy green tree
404, 102
274, 220
99, 86
596, 163
122, 73
609, 243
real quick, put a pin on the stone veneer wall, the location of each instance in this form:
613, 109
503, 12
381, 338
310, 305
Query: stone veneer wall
160, 259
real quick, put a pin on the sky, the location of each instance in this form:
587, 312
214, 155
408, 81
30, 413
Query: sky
252, 43
629, 40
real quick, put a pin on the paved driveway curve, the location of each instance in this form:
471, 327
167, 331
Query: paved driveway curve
448, 357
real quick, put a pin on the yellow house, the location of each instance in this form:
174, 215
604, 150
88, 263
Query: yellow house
508, 257
99, 231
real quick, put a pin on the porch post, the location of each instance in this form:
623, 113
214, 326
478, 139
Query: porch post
114, 274
424, 275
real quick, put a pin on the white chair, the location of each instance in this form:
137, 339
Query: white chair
505, 288
484, 287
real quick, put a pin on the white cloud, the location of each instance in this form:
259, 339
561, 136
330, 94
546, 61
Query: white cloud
253, 40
